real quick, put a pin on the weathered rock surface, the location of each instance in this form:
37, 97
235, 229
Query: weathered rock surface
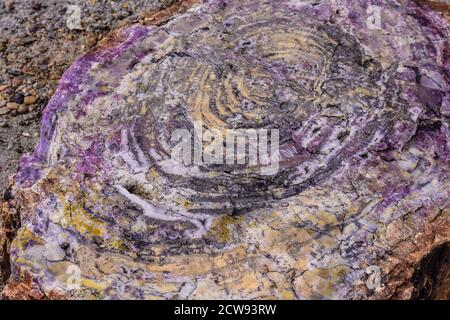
361, 196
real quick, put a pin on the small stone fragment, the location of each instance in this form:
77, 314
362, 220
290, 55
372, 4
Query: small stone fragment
23, 108
36, 6
16, 81
9, 4
34, 28
12, 105
27, 40
4, 110
17, 98
3, 46
30, 100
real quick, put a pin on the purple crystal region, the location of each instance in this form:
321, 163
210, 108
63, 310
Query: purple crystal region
359, 91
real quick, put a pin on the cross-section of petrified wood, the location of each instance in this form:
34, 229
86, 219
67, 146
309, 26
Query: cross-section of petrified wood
360, 95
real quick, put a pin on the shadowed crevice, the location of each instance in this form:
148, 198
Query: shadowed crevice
431, 278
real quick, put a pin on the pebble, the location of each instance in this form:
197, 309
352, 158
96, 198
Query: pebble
16, 82
91, 41
14, 72
17, 98
36, 6
34, 27
27, 40
9, 4
23, 109
30, 100
12, 105
26, 134
4, 110
2, 103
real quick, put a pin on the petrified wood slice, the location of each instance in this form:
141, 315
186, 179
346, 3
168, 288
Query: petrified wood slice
361, 194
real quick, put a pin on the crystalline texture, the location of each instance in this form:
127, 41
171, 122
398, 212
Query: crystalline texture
362, 190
